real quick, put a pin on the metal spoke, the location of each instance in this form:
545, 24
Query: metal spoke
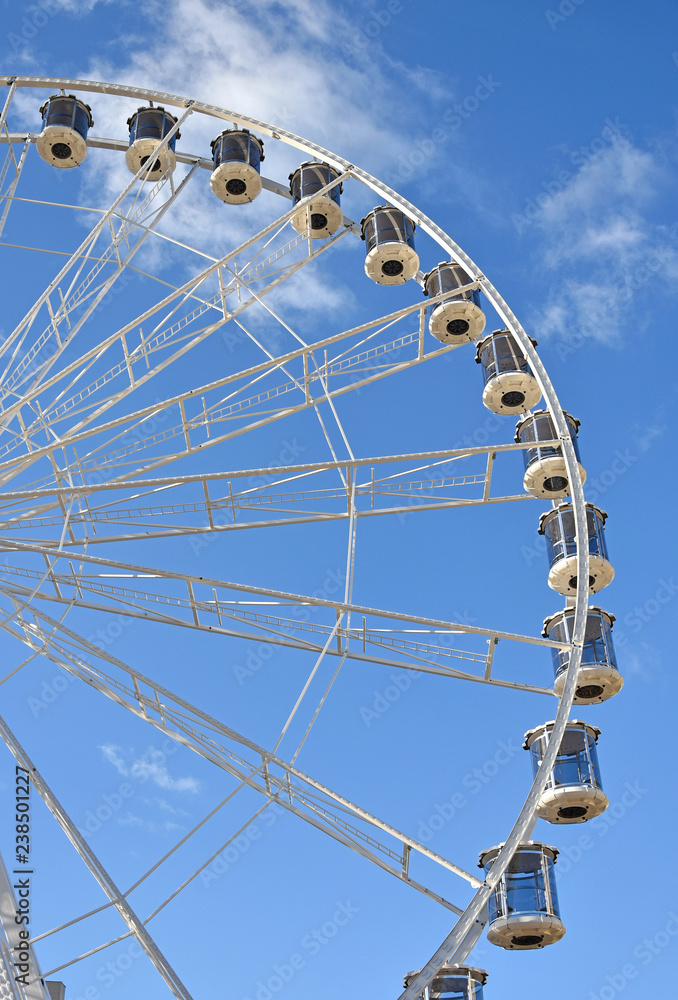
8, 195
72, 296
95, 866
341, 366
352, 642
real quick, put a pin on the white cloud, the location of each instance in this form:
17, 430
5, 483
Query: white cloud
111, 754
621, 172
600, 209
644, 437
149, 767
81, 7
129, 819
280, 62
646, 664
431, 82
598, 234
166, 807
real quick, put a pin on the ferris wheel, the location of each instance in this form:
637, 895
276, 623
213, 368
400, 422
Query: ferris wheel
133, 446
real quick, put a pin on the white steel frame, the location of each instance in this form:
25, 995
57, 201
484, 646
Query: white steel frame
237, 403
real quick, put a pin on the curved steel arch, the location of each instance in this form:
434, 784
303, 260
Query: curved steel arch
463, 935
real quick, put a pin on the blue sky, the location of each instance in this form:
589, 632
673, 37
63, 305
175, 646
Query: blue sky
543, 140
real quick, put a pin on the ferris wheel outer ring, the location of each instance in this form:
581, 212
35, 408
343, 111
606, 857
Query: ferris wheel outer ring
457, 945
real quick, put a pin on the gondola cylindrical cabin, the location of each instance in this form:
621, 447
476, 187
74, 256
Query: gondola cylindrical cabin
598, 678
558, 525
323, 212
66, 121
523, 909
147, 129
453, 982
391, 258
458, 318
574, 790
510, 386
237, 156
546, 475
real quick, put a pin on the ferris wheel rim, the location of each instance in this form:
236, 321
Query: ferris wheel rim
454, 947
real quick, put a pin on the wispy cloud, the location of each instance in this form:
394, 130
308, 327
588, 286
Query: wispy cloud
82, 7
644, 437
599, 235
111, 754
646, 664
620, 170
149, 767
278, 62
215, 52
129, 819
429, 81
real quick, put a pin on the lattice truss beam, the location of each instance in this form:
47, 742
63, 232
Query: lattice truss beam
72, 297
262, 770
201, 417
250, 498
262, 614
